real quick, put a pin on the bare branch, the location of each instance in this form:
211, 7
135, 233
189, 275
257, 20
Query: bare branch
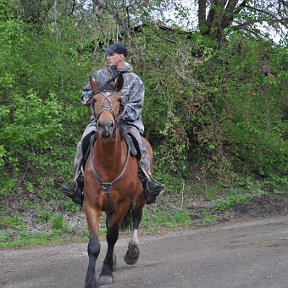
281, 20
73, 8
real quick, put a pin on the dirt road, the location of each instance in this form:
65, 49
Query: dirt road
247, 255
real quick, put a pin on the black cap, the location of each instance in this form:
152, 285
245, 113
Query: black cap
117, 48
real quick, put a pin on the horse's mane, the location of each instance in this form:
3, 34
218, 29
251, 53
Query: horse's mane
108, 87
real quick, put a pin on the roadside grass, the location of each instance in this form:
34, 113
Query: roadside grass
207, 217
25, 239
171, 211
155, 219
15, 234
236, 197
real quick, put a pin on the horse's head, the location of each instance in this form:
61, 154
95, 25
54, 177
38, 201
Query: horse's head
106, 106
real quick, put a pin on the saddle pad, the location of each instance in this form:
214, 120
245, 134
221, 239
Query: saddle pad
133, 144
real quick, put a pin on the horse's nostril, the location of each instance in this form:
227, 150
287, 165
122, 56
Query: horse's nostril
100, 124
105, 124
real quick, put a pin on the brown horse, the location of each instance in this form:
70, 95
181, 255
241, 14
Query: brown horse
111, 185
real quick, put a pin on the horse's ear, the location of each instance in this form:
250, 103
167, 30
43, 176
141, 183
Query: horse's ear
93, 85
119, 82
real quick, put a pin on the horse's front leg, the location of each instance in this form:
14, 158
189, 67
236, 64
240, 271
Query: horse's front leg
93, 247
106, 276
93, 253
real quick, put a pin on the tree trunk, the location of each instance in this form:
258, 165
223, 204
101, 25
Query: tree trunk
202, 16
220, 16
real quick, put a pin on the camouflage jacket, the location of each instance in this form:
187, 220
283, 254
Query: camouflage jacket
132, 95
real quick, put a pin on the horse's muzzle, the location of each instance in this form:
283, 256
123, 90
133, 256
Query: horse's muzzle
106, 129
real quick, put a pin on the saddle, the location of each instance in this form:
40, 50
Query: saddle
130, 140
151, 187
133, 144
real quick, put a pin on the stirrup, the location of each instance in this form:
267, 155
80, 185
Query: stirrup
152, 187
75, 193
151, 190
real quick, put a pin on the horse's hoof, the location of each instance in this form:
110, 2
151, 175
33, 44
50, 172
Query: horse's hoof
105, 279
132, 254
91, 285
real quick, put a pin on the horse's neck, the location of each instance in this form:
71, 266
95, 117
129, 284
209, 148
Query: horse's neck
109, 153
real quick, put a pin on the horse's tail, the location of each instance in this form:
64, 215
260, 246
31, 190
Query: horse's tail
127, 221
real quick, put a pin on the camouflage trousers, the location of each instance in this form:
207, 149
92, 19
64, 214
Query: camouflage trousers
90, 129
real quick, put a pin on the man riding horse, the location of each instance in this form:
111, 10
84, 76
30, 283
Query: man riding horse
132, 99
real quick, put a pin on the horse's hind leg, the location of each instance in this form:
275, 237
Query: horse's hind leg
132, 254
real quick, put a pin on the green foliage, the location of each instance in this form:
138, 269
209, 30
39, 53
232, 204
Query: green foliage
26, 239
36, 84
213, 190
276, 184
225, 108
173, 185
222, 109
57, 221
2, 155
14, 221
43, 215
163, 219
236, 197
4, 236
251, 101
208, 218
12, 38
35, 123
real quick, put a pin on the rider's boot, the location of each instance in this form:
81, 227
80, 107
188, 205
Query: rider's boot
75, 192
151, 187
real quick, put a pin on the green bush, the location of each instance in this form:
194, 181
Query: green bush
223, 109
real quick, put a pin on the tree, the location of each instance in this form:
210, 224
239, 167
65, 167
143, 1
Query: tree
215, 16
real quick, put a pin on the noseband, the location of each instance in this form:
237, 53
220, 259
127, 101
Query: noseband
104, 107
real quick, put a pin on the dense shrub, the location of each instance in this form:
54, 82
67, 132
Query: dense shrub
224, 109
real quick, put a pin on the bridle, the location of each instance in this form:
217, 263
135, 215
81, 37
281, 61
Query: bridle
104, 107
